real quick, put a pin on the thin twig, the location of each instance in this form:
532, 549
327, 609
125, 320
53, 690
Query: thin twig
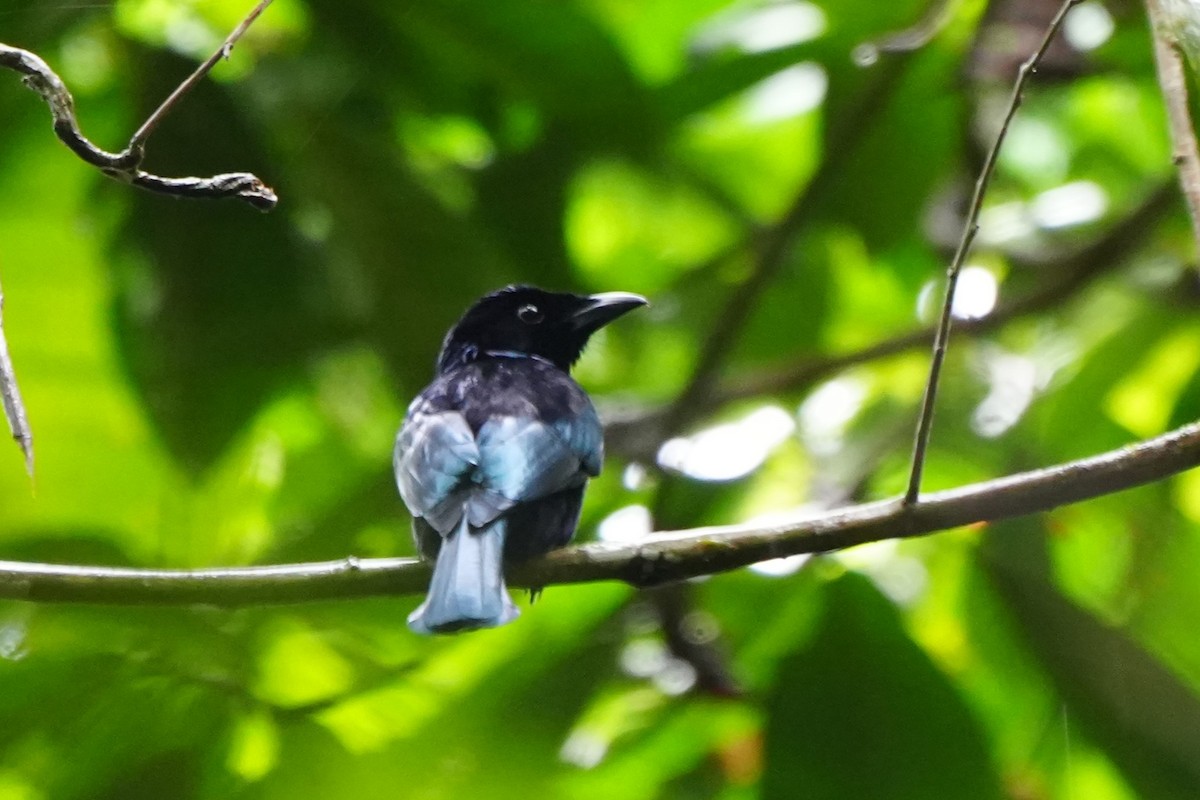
14, 408
970, 228
665, 557
125, 165
138, 140
907, 39
1172, 77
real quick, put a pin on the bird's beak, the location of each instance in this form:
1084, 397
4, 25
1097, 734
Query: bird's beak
603, 308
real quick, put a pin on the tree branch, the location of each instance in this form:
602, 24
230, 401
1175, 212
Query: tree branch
138, 140
936, 17
10, 394
970, 228
668, 556
125, 165
1172, 77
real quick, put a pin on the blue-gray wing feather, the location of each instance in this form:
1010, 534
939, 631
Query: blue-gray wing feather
434, 459
444, 470
524, 459
585, 436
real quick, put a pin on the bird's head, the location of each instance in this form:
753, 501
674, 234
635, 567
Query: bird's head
524, 320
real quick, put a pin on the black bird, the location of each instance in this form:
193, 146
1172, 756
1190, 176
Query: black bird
494, 454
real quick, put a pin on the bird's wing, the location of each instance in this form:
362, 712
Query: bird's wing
524, 459
441, 468
584, 435
434, 459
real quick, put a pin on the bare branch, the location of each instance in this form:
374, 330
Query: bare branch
14, 408
1172, 77
669, 556
914, 37
138, 140
970, 228
125, 165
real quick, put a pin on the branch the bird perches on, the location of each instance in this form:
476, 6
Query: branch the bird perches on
667, 556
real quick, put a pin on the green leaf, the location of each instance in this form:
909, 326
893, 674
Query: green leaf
214, 303
861, 711
1141, 714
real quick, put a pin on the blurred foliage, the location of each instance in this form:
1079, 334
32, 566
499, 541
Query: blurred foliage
209, 385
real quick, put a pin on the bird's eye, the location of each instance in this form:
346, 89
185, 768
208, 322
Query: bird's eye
529, 314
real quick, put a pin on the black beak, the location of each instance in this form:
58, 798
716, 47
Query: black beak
603, 308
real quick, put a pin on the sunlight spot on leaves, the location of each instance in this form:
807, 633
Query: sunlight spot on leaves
612, 715
195, 29
254, 749
677, 677
1088, 26
780, 567
788, 93
1013, 382
87, 61
827, 411
1037, 150
731, 450
1069, 205
629, 228
643, 658
634, 476
975, 295
15, 787
1187, 494
13, 633
1142, 402
627, 524
1004, 223
901, 577
298, 665
758, 30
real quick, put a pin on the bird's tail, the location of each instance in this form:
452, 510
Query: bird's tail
467, 590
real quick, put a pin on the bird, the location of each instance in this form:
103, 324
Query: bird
493, 455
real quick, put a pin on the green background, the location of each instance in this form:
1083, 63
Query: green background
209, 385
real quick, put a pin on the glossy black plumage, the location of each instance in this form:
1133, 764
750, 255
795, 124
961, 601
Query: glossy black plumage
494, 454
